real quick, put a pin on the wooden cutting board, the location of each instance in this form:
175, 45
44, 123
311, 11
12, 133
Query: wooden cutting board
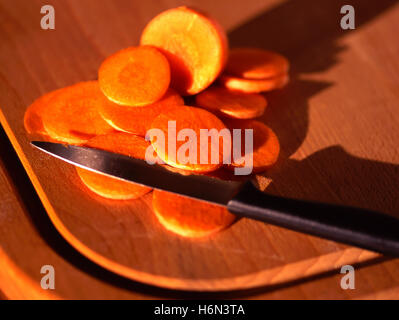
337, 122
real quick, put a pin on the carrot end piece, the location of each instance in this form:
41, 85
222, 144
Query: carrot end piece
195, 45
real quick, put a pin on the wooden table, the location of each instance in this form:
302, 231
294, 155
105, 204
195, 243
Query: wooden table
345, 77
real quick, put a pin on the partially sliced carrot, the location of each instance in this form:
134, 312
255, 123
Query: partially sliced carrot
187, 217
33, 115
72, 114
108, 187
253, 86
193, 119
266, 146
135, 76
254, 63
195, 45
138, 120
232, 103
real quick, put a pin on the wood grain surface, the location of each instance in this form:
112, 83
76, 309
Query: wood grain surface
28, 241
337, 122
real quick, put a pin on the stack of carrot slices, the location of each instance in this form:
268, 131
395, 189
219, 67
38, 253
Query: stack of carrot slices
255, 70
182, 52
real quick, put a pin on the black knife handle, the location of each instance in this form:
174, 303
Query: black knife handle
359, 227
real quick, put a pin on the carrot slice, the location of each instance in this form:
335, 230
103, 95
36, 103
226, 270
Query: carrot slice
109, 187
253, 86
138, 120
187, 217
232, 103
266, 146
33, 115
253, 63
135, 76
221, 173
72, 114
188, 118
195, 45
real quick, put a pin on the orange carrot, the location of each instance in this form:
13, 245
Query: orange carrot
187, 217
33, 115
195, 45
72, 114
253, 86
135, 76
232, 103
253, 63
266, 146
108, 187
194, 119
221, 173
138, 120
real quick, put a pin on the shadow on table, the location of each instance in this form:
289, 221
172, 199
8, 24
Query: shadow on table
355, 181
290, 28
293, 28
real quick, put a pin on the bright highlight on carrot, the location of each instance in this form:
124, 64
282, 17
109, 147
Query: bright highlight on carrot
187, 217
193, 119
138, 120
72, 115
108, 187
195, 45
232, 103
253, 86
254, 63
135, 76
266, 146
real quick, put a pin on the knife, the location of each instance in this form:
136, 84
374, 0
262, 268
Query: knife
354, 226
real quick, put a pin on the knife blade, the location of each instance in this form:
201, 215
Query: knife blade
200, 187
355, 226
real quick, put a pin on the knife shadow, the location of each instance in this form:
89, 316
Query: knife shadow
334, 176
300, 24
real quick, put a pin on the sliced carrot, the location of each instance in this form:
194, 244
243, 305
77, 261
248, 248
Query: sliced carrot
108, 187
254, 63
195, 45
266, 146
72, 114
194, 119
232, 103
220, 173
33, 115
253, 86
187, 217
138, 120
135, 76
